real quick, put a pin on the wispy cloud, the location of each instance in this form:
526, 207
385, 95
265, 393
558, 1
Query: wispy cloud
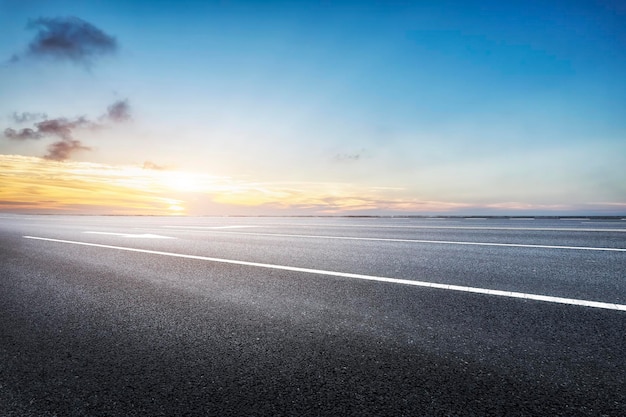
68, 39
153, 166
340, 157
26, 117
349, 156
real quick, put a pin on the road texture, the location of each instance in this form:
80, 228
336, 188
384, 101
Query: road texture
149, 316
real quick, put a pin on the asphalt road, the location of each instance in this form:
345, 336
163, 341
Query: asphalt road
150, 316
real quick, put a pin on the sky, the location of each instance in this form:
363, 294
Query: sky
313, 107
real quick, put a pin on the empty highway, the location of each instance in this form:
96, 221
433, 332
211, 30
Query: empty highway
125, 316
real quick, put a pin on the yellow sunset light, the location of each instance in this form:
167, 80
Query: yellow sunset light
183, 182
175, 206
36, 185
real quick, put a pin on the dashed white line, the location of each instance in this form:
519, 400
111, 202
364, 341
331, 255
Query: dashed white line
440, 242
459, 288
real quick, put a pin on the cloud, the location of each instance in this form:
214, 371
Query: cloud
23, 134
63, 149
64, 129
26, 117
350, 156
347, 157
119, 111
60, 127
151, 165
68, 38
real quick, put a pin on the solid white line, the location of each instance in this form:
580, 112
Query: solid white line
511, 294
443, 242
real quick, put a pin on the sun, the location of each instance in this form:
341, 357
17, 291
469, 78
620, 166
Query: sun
176, 208
183, 182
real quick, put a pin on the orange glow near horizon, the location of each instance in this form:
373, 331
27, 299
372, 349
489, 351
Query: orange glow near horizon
39, 186
35, 185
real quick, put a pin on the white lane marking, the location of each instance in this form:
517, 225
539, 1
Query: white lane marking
614, 222
132, 235
223, 227
442, 242
461, 288
538, 229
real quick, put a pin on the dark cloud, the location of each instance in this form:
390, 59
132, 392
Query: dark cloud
68, 38
119, 111
26, 117
61, 128
23, 134
64, 129
63, 149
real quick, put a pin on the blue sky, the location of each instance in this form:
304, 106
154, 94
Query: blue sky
410, 107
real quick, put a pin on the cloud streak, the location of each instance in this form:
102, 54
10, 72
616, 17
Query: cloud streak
68, 39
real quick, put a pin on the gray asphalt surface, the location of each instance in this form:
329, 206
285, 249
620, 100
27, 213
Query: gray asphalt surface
91, 330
